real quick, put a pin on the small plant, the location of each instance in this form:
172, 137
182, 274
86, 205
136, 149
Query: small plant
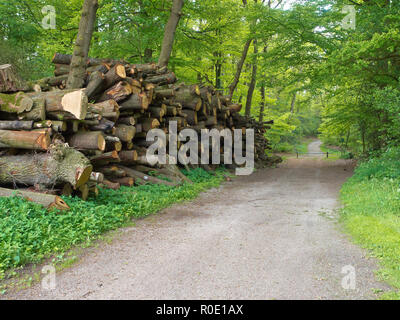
29, 233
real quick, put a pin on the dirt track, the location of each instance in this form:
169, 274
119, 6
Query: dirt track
273, 235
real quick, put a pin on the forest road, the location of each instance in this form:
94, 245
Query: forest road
272, 235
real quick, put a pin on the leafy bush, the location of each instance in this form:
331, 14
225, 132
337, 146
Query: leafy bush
386, 165
29, 233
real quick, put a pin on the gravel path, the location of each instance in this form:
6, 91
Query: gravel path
273, 235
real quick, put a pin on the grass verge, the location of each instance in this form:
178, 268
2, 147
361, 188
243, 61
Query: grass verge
29, 234
371, 215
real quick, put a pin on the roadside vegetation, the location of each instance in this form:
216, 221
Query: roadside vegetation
31, 234
371, 213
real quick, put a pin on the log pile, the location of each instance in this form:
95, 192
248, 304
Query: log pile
61, 141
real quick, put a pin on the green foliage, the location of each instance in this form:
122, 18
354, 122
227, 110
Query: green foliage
29, 233
372, 213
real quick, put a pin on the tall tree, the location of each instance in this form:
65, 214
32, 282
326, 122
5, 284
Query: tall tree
77, 73
253, 81
239, 66
169, 33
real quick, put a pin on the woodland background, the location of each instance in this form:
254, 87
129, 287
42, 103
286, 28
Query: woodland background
302, 69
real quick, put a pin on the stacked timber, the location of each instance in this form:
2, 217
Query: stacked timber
56, 141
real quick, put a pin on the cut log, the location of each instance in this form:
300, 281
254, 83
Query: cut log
29, 140
113, 172
93, 140
16, 125
9, 80
117, 73
139, 175
164, 93
95, 84
46, 200
61, 70
128, 157
126, 182
235, 107
157, 112
191, 116
15, 103
70, 102
104, 107
38, 112
97, 177
104, 125
120, 91
146, 68
163, 79
149, 123
125, 133
111, 185
130, 121
60, 58
59, 166
84, 192
106, 157
135, 102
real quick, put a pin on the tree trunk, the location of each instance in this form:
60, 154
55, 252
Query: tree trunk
239, 68
77, 75
293, 103
262, 107
253, 81
169, 33
9, 80
59, 166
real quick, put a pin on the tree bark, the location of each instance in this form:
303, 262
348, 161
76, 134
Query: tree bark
28, 140
253, 81
46, 200
16, 125
65, 103
293, 103
92, 140
169, 33
9, 80
77, 74
239, 68
15, 103
59, 166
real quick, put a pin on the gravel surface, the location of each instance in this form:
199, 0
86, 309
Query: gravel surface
273, 235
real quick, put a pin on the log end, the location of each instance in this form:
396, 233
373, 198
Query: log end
59, 204
82, 176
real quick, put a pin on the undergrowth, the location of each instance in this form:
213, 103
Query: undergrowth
372, 213
29, 233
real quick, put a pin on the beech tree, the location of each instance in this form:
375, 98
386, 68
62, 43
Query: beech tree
77, 73
169, 33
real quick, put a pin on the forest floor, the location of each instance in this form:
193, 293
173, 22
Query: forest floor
272, 235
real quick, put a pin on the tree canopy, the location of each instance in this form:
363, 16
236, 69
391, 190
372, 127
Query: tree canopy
313, 74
